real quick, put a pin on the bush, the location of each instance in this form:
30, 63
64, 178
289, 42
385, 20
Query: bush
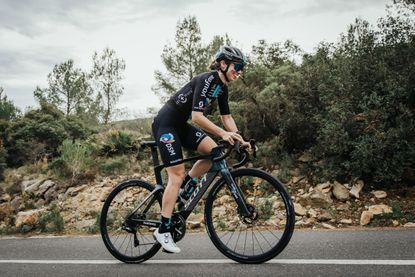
114, 165
75, 159
117, 142
39, 133
51, 221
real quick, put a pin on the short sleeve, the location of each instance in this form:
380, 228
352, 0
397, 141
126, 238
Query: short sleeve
223, 102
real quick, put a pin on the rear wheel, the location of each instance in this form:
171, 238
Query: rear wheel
123, 235
259, 237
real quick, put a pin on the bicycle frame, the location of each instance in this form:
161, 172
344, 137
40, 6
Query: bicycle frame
218, 167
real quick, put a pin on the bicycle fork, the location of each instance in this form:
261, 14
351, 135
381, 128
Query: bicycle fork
235, 190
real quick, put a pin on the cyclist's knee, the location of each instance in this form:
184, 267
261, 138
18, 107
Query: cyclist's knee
206, 145
176, 173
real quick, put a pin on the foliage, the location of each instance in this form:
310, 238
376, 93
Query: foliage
75, 159
187, 58
51, 221
114, 165
8, 110
68, 89
39, 133
107, 74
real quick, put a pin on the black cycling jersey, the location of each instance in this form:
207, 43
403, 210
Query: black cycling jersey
170, 127
196, 95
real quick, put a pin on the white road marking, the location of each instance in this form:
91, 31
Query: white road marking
221, 261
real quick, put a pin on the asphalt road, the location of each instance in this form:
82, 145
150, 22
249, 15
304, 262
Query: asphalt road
310, 253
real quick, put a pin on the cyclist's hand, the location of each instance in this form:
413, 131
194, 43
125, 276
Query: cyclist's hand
231, 137
246, 145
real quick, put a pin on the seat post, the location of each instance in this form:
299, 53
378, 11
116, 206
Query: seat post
156, 163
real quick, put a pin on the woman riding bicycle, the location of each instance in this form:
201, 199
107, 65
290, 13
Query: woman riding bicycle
171, 130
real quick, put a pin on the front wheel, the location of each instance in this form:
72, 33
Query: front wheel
259, 237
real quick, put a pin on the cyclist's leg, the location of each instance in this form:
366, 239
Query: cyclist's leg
175, 178
202, 166
195, 139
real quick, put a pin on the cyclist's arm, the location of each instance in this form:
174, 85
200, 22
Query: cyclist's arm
207, 125
203, 122
229, 123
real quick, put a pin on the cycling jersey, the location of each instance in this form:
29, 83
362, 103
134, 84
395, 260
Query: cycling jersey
170, 127
199, 93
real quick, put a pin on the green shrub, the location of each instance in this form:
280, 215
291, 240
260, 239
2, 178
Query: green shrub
117, 142
75, 159
39, 133
114, 165
51, 221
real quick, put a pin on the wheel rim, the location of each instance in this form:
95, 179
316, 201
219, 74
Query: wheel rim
126, 239
261, 233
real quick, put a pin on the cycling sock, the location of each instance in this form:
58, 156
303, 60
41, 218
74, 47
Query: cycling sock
165, 225
186, 179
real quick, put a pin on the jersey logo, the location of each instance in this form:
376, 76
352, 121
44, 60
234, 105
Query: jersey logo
181, 98
167, 138
201, 104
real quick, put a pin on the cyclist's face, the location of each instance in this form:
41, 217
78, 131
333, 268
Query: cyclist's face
234, 71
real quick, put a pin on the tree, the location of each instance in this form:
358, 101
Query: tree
68, 89
183, 61
107, 75
8, 110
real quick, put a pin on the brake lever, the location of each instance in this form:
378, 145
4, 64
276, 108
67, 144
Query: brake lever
253, 146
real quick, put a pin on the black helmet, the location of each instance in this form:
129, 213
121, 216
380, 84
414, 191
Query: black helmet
231, 54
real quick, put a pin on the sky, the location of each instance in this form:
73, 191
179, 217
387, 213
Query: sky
35, 35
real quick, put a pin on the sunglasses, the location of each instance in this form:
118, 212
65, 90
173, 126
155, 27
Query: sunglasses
238, 67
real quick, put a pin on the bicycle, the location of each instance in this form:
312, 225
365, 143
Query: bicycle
245, 205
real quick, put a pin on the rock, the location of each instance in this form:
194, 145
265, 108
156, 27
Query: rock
197, 218
312, 213
304, 223
409, 225
104, 194
30, 185
193, 224
28, 218
305, 158
16, 202
380, 209
380, 194
73, 191
395, 223
365, 218
325, 216
324, 187
5, 197
346, 221
342, 207
83, 224
356, 189
315, 199
44, 187
50, 195
299, 210
340, 191
328, 226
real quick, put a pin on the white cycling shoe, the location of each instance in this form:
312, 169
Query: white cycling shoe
166, 241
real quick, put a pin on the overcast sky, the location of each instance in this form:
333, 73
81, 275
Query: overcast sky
36, 35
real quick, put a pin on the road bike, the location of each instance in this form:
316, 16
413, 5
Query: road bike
248, 214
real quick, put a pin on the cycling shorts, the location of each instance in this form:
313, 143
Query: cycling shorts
171, 133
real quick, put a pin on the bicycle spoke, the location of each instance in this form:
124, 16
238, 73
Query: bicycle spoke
258, 242
259, 231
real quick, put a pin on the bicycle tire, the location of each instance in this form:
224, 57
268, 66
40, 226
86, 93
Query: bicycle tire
106, 219
227, 210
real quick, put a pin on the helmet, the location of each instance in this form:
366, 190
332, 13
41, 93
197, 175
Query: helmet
231, 54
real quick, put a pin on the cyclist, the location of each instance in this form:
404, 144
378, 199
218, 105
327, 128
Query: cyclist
171, 130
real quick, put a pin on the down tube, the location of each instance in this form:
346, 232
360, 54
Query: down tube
199, 192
